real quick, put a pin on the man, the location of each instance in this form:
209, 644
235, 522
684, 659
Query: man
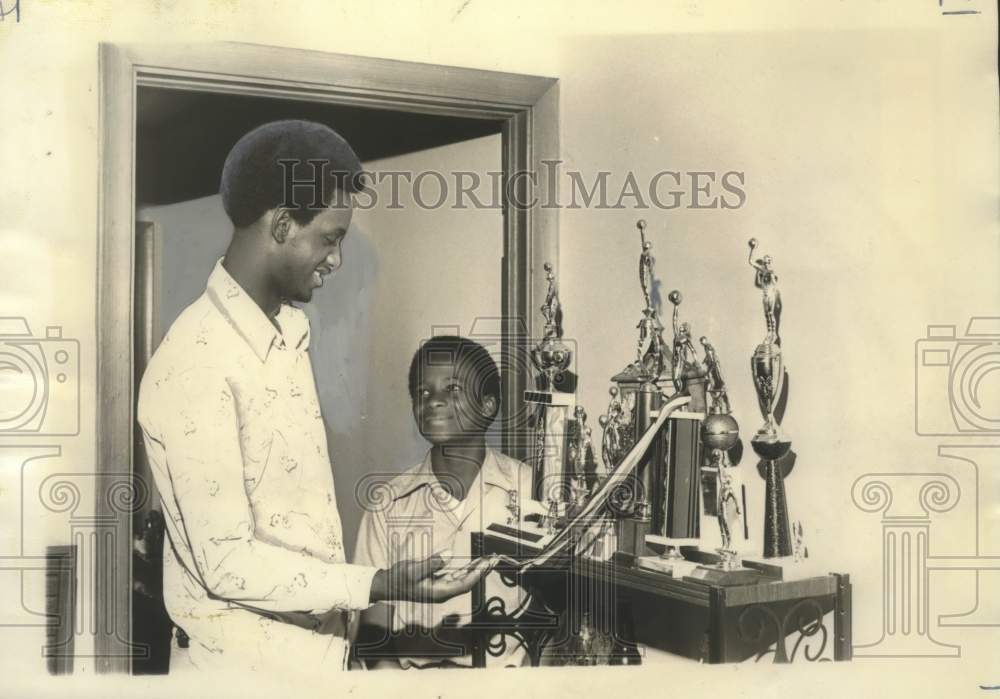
234, 434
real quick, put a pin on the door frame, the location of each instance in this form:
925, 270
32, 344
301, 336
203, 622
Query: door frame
527, 106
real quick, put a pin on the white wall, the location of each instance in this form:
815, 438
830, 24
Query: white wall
867, 132
406, 272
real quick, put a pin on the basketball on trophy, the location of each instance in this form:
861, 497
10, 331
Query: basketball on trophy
720, 431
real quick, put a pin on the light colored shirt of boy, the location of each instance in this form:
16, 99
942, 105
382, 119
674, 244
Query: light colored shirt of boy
415, 517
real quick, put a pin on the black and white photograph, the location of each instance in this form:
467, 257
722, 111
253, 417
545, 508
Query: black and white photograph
571, 347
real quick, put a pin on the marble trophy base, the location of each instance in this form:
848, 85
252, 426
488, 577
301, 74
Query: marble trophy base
521, 530
721, 577
670, 562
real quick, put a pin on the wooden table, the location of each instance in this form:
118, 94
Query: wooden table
688, 618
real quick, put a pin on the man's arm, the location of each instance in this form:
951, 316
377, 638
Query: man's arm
202, 458
372, 549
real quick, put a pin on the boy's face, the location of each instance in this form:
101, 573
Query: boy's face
445, 406
312, 252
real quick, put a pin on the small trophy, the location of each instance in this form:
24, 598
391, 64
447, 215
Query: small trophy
727, 508
718, 395
801, 550
513, 508
770, 443
581, 468
551, 356
720, 433
688, 373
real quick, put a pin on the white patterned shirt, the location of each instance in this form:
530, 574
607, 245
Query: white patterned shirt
237, 446
412, 516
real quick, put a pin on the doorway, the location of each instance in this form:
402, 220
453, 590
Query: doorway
181, 109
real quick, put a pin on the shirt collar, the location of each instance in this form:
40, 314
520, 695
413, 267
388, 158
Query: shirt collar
496, 471
250, 321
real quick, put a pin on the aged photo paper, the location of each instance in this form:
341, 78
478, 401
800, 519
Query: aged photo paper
473, 348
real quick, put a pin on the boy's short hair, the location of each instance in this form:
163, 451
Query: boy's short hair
466, 355
254, 180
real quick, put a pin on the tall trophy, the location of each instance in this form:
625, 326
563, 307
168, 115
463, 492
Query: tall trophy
637, 395
553, 483
770, 443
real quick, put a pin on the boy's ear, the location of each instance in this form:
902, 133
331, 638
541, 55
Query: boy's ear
489, 406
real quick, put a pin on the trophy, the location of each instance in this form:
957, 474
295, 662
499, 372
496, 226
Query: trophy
719, 397
551, 356
801, 550
616, 424
554, 398
581, 466
637, 395
727, 510
688, 373
770, 443
652, 362
720, 435
513, 508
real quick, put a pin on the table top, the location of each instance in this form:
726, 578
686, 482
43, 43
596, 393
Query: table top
771, 588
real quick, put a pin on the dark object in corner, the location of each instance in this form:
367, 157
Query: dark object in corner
60, 608
151, 626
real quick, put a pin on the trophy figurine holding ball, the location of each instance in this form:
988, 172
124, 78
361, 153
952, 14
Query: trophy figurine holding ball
689, 376
770, 443
720, 435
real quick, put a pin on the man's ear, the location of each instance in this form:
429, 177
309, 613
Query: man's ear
281, 225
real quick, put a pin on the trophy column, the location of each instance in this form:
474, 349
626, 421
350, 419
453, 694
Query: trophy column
557, 482
552, 483
770, 382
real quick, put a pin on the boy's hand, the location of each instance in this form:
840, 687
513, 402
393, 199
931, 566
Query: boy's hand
415, 581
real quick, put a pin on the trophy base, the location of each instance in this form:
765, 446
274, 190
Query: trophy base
711, 575
770, 447
675, 568
632, 533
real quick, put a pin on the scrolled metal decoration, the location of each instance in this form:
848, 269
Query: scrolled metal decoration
807, 625
623, 497
508, 578
496, 644
758, 635
807, 628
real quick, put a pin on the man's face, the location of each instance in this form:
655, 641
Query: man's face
444, 409
312, 252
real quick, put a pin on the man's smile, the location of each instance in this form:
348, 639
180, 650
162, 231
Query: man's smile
319, 274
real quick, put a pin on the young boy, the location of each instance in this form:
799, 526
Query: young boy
461, 487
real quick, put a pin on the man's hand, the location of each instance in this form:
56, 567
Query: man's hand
426, 581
